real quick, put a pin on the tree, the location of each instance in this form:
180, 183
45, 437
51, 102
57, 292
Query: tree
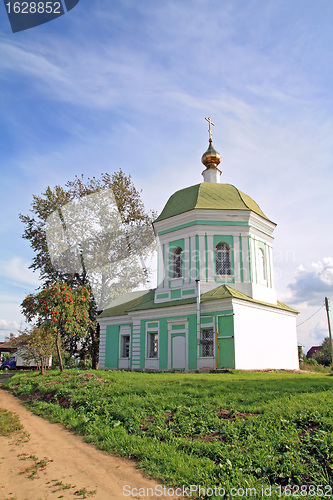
301, 355
93, 233
323, 356
39, 346
11, 336
61, 312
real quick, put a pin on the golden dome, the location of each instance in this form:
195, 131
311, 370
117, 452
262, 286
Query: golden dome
211, 158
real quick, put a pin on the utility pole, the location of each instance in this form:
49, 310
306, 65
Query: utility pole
327, 305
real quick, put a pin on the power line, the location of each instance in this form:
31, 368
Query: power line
310, 316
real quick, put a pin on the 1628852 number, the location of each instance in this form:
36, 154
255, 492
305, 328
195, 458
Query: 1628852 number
309, 490
34, 8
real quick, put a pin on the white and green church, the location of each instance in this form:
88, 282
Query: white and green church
215, 305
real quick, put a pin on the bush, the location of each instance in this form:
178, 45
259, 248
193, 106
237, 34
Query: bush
311, 365
85, 364
324, 356
312, 361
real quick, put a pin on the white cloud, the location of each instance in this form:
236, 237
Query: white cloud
10, 313
8, 325
313, 282
17, 271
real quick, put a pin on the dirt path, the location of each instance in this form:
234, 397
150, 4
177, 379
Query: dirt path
61, 464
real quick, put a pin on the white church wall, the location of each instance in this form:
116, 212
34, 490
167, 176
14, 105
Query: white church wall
257, 292
264, 338
263, 293
206, 364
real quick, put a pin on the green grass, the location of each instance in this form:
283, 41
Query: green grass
9, 422
229, 430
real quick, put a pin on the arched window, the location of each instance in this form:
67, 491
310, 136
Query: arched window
177, 263
262, 265
223, 261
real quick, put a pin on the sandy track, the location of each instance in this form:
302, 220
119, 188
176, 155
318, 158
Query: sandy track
69, 461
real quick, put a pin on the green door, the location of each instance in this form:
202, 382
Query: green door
225, 349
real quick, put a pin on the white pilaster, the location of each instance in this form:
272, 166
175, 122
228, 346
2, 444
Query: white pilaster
237, 263
186, 255
202, 257
253, 261
193, 259
166, 266
245, 254
210, 258
160, 264
271, 267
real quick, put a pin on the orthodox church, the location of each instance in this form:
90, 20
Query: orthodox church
215, 304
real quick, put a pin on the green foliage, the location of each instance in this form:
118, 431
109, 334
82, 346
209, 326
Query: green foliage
59, 311
301, 355
85, 364
5, 356
39, 346
60, 308
229, 430
324, 356
56, 362
52, 200
312, 361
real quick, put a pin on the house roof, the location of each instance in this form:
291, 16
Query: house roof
209, 195
313, 350
11, 344
145, 301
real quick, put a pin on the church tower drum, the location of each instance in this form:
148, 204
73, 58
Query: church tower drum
214, 233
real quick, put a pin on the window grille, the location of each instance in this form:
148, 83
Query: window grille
223, 263
177, 263
207, 342
153, 345
125, 347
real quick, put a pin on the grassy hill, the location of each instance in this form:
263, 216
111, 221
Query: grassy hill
235, 435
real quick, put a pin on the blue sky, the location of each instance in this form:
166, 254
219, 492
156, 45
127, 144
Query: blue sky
128, 84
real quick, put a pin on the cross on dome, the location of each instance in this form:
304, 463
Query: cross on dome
211, 158
210, 128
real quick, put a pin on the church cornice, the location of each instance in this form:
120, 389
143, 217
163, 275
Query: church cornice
214, 218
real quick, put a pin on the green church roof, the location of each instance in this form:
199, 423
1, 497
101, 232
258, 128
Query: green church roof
139, 301
209, 195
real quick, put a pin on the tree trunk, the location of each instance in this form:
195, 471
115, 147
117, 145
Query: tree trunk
94, 347
59, 353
